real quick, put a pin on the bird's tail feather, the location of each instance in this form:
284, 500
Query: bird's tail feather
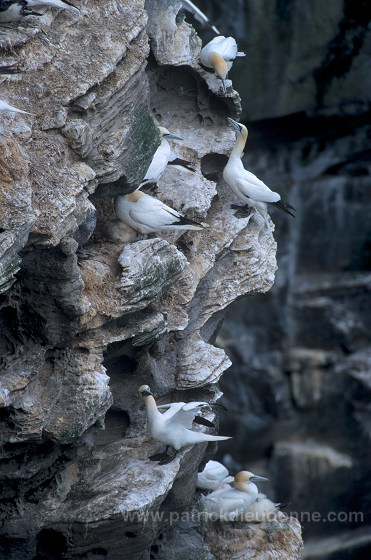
284, 206
63, 4
183, 221
208, 437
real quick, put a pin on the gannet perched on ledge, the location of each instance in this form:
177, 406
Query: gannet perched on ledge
245, 184
162, 156
229, 504
4, 106
173, 427
147, 214
198, 15
213, 476
16, 10
219, 54
262, 509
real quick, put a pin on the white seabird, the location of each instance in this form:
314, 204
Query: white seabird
4, 106
262, 509
214, 476
245, 184
147, 214
229, 504
16, 10
173, 427
198, 15
162, 156
219, 54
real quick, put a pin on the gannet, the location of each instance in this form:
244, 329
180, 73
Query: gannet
199, 16
173, 427
162, 156
214, 476
147, 214
219, 54
229, 504
4, 106
16, 10
262, 509
245, 184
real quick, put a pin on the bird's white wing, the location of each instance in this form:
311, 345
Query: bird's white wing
215, 470
186, 414
159, 162
224, 501
170, 409
152, 212
52, 3
228, 48
214, 46
200, 16
252, 187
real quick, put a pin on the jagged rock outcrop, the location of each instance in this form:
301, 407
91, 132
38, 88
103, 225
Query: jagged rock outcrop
88, 316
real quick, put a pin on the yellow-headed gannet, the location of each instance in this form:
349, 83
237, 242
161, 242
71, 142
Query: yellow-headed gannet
214, 476
147, 214
16, 10
245, 184
162, 156
219, 54
4, 106
199, 16
173, 427
229, 504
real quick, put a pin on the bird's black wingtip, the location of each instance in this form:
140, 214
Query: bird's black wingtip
284, 206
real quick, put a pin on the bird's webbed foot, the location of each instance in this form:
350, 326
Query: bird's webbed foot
158, 456
242, 211
238, 524
167, 458
151, 188
163, 458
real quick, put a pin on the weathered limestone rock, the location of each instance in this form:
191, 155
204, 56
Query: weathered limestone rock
87, 316
279, 538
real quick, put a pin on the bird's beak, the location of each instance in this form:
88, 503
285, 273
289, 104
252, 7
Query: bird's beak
259, 479
173, 136
144, 394
234, 124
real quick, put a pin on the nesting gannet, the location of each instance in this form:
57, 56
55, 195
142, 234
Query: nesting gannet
219, 54
229, 504
262, 509
245, 184
4, 106
173, 427
16, 10
198, 15
213, 476
162, 156
147, 214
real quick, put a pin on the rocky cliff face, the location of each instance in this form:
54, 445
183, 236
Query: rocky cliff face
300, 384
88, 311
